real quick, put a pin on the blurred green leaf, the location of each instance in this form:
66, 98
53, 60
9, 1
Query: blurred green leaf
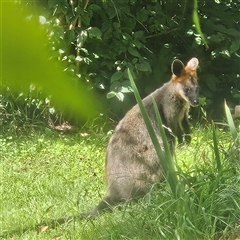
234, 46
126, 87
116, 76
233, 32
217, 38
120, 96
25, 61
111, 94
211, 81
94, 32
95, 7
143, 66
134, 52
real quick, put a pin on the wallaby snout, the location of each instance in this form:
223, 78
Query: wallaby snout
192, 95
195, 102
132, 165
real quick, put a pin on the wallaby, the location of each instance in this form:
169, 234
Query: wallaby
132, 165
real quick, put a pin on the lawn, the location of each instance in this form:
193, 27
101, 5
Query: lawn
47, 175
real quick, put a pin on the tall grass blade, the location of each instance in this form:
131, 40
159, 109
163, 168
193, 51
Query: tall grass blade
168, 168
216, 149
197, 23
168, 156
163, 135
232, 127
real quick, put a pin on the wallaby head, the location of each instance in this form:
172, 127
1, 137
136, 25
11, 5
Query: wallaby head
187, 77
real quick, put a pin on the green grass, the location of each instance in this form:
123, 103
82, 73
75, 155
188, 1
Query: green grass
46, 175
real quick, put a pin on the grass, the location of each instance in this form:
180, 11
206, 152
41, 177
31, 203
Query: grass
46, 175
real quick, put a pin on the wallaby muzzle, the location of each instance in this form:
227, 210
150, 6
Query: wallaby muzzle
192, 95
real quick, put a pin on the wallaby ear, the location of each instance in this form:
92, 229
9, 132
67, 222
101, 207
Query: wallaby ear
192, 64
177, 67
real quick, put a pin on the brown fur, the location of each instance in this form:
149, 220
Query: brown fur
132, 165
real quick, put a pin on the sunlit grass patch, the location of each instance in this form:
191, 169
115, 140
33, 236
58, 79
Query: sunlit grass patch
51, 176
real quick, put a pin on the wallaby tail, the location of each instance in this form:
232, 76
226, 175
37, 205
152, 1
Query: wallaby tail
106, 204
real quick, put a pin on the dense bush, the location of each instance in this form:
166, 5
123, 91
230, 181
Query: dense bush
98, 40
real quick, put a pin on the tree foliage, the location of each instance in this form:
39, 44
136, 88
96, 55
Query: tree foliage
98, 40
30, 81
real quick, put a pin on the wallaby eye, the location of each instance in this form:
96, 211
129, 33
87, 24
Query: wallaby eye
187, 89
